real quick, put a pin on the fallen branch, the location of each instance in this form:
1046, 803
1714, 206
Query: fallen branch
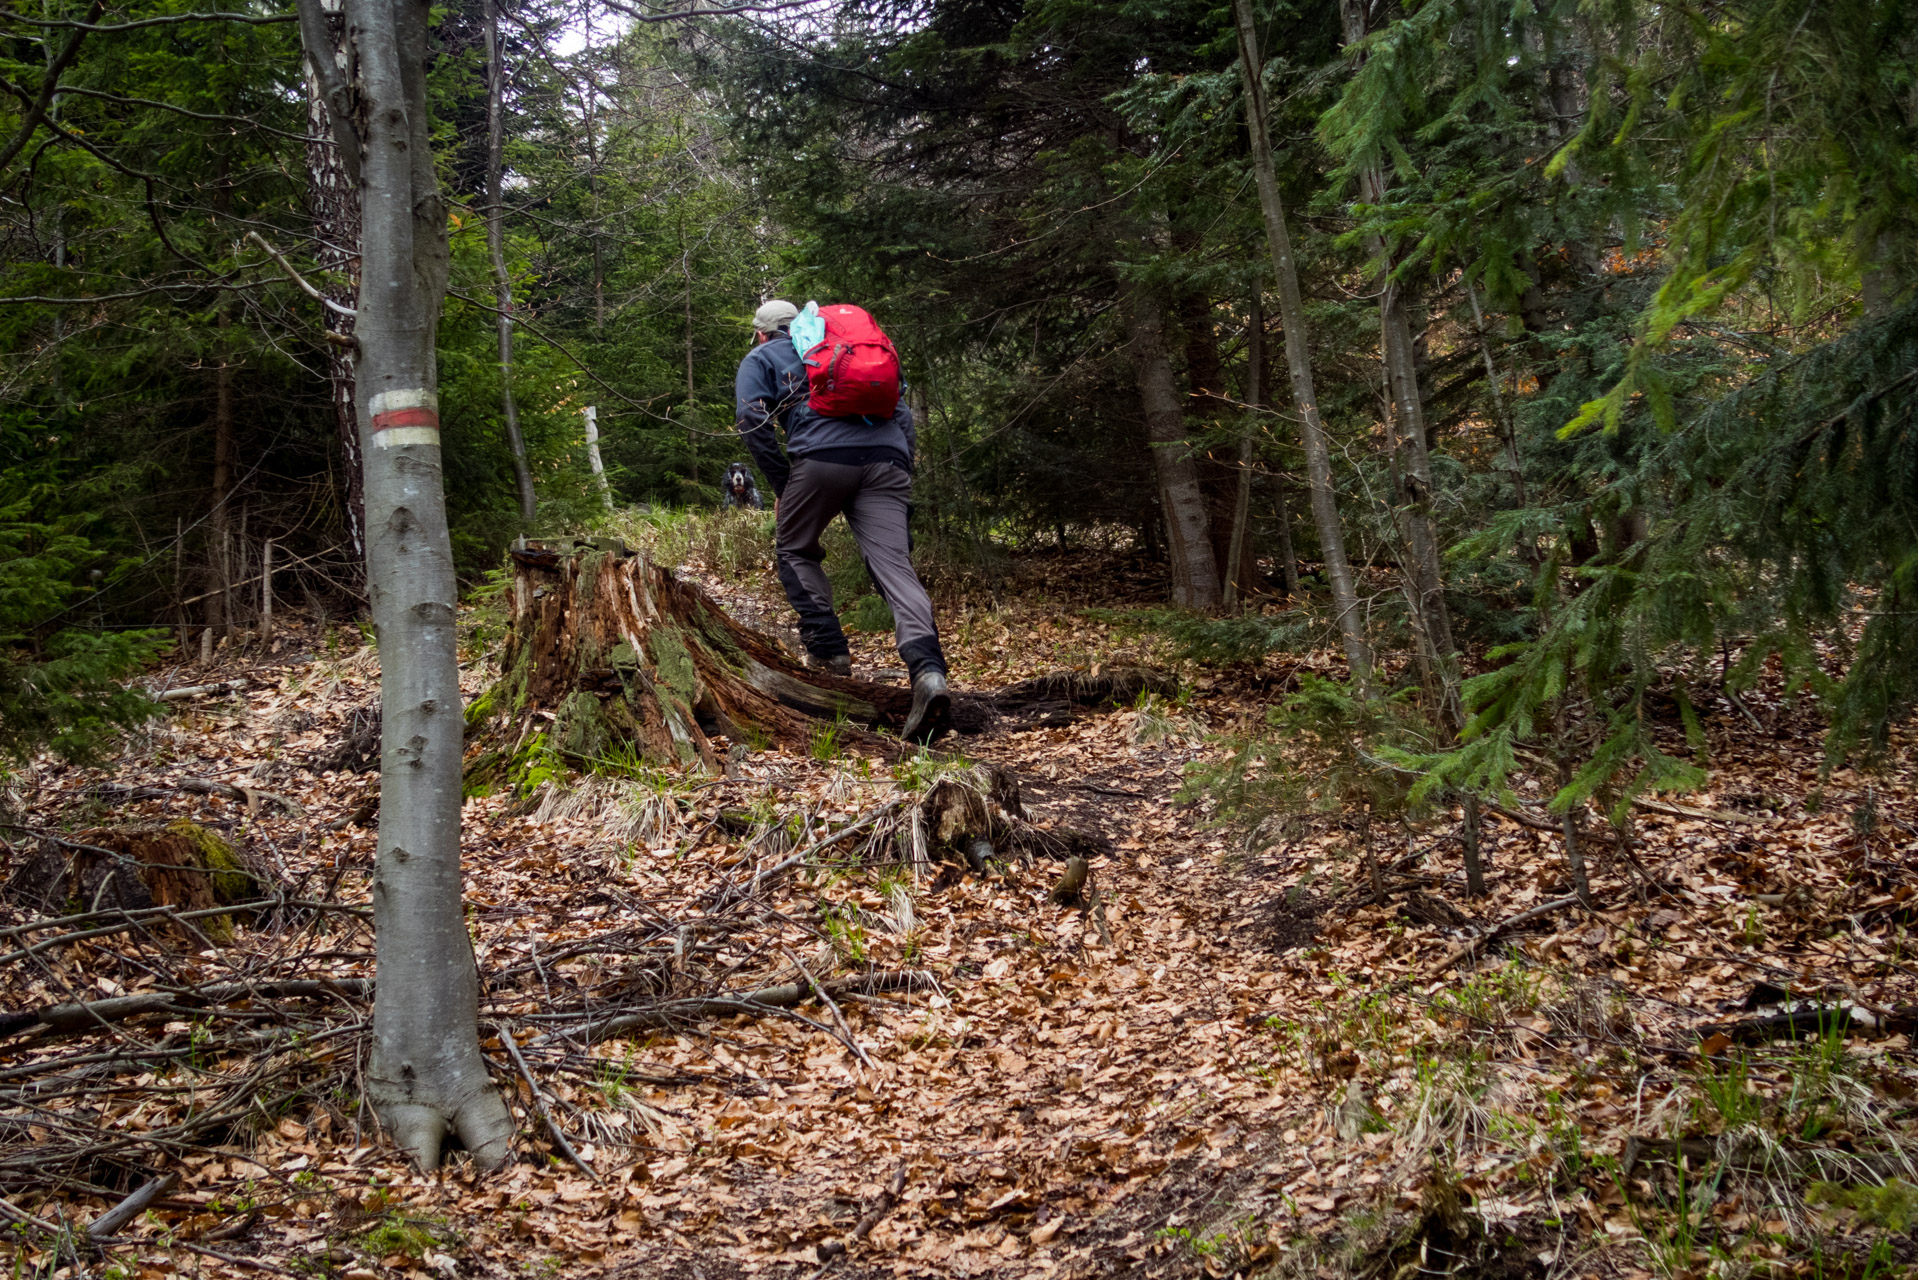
184, 692
777, 999
837, 1016
14, 1213
1686, 811
762, 877
1524, 819
69, 1019
539, 1105
131, 1207
882, 1204
133, 919
252, 797
1797, 1023
1504, 926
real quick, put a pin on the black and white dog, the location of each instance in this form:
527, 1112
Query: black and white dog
740, 491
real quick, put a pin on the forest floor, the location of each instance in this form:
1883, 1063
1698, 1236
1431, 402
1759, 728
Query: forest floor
1238, 1064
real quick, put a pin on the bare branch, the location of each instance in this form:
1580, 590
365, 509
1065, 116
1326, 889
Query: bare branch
644, 15
49, 86
217, 118
166, 20
299, 279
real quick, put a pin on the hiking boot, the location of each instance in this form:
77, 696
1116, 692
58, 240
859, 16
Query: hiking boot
930, 703
839, 664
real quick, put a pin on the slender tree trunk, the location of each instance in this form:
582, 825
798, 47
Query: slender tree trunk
496, 246
1508, 430
57, 216
1242, 495
1413, 464
1258, 389
1195, 573
1207, 408
590, 111
425, 1075
1298, 357
334, 196
692, 429
266, 592
1288, 557
219, 525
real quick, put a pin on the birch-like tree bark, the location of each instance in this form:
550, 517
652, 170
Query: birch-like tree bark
1298, 357
496, 246
426, 1076
333, 195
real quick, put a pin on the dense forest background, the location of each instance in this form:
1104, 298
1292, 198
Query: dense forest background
1603, 314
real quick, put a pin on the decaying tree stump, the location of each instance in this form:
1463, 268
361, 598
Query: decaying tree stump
609, 652
179, 864
608, 649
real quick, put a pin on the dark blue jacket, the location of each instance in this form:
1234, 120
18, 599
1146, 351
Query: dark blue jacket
770, 393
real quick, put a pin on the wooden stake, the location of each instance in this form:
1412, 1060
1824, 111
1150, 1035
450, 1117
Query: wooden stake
592, 455
1474, 858
266, 591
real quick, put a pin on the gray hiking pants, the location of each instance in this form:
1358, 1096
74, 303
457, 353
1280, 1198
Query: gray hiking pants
873, 499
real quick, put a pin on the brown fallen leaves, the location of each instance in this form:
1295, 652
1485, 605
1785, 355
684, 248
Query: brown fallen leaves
1252, 1066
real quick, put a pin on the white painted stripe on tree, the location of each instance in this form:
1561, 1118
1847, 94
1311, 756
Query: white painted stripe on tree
413, 398
394, 437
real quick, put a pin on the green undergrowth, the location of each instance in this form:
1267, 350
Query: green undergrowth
1245, 637
1790, 1159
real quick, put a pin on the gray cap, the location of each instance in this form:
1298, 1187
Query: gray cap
774, 316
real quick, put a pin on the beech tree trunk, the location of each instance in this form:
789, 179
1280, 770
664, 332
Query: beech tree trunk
425, 1075
334, 197
496, 246
1298, 357
1195, 570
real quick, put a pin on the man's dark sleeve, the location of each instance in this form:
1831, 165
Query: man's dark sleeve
756, 395
908, 422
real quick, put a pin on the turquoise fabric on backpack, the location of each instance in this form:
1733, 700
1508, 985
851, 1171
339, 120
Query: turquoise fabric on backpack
808, 329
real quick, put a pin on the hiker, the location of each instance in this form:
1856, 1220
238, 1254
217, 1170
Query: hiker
739, 489
859, 466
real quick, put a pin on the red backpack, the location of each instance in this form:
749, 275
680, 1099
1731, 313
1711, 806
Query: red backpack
854, 371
